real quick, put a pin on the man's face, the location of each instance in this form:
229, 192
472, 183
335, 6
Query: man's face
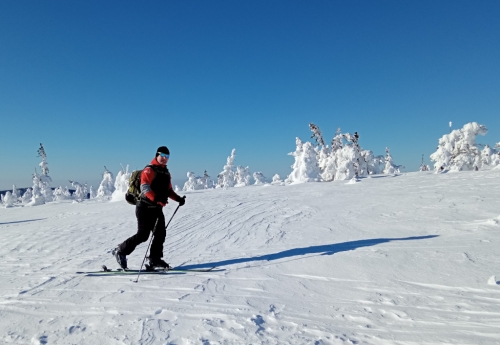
162, 158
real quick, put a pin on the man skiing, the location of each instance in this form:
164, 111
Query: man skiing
156, 188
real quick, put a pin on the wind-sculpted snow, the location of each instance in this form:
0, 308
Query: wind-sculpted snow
409, 259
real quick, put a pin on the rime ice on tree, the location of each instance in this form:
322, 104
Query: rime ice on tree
26, 198
423, 166
80, 191
207, 182
242, 176
45, 179
305, 167
193, 183
106, 188
390, 167
121, 185
259, 178
277, 180
8, 199
490, 156
37, 197
458, 151
226, 177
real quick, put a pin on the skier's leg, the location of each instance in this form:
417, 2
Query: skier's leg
156, 251
146, 218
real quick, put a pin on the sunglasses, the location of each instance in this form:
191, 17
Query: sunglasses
165, 155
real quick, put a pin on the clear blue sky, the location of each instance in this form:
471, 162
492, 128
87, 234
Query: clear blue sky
101, 83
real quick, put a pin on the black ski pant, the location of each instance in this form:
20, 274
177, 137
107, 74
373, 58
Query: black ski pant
146, 219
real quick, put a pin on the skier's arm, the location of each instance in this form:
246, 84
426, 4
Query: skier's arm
172, 194
147, 177
176, 197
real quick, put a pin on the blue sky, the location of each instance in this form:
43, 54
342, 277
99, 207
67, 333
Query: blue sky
101, 83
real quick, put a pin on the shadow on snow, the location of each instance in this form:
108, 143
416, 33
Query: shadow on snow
22, 221
327, 249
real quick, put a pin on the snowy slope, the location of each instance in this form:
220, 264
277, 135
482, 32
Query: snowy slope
389, 260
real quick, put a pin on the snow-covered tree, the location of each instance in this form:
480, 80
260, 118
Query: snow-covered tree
45, 179
423, 166
80, 190
305, 167
259, 178
458, 151
277, 180
207, 182
317, 134
242, 176
37, 197
26, 198
390, 167
193, 183
226, 178
490, 156
121, 184
347, 158
16, 195
61, 193
106, 188
92, 192
8, 199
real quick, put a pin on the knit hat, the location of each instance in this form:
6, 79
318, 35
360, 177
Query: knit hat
162, 149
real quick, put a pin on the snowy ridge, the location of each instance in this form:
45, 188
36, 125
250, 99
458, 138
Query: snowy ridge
408, 259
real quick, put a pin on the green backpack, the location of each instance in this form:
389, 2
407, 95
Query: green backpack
134, 186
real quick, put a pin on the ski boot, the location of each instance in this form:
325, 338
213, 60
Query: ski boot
120, 258
157, 264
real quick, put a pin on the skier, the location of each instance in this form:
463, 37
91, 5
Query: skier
156, 188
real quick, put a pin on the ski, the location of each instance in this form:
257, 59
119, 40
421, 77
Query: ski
107, 271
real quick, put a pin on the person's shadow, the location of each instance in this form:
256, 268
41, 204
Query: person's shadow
327, 249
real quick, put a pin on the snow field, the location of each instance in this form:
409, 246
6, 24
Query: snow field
407, 259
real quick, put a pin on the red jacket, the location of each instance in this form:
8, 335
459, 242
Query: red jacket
147, 177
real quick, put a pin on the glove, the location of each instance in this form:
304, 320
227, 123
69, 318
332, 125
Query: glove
161, 204
181, 200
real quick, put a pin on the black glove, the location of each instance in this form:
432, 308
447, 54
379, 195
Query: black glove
181, 200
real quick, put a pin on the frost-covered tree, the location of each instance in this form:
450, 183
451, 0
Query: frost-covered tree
80, 191
16, 194
242, 176
193, 183
317, 134
490, 156
8, 199
37, 197
305, 167
45, 179
226, 178
92, 192
259, 178
106, 188
61, 193
347, 158
26, 198
277, 180
390, 167
423, 166
207, 182
121, 184
458, 151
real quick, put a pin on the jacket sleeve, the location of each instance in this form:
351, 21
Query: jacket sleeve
147, 177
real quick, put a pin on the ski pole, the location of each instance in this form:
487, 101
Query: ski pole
150, 241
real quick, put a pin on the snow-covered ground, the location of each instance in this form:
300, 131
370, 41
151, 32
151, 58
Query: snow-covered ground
389, 260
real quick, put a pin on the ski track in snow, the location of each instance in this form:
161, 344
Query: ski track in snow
389, 260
